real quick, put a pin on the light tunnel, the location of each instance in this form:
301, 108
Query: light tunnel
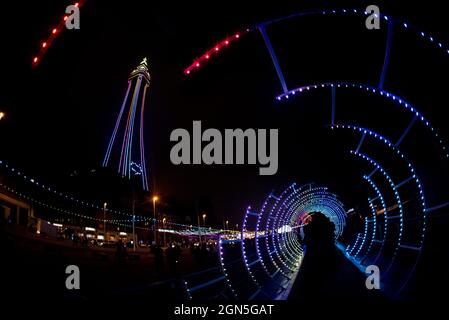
262, 261
400, 190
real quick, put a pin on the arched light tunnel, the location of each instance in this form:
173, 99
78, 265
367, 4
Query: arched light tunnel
402, 179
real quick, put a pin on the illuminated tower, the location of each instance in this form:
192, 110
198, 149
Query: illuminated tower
126, 150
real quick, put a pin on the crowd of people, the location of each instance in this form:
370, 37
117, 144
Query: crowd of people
203, 252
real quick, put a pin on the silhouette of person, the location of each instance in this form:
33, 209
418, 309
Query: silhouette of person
319, 235
159, 259
319, 264
325, 273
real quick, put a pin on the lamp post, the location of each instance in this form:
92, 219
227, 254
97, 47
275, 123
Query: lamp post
104, 220
163, 223
155, 198
198, 220
227, 224
199, 225
2, 115
134, 224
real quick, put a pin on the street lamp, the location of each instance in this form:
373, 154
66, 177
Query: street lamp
204, 219
2, 115
155, 198
104, 220
227, 224
163, 223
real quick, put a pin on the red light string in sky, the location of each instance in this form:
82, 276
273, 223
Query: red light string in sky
198, 62
55, 31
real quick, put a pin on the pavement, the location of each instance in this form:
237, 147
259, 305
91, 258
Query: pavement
33, 268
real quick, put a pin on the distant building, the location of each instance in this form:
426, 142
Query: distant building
15, 211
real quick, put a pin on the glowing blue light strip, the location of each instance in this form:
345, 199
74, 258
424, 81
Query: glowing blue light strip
123, 155
384, 207
387, 53
273, 57
443, 205
414, 175
361, 141
222, 266
285, 240
398, 200
245, 259
359, 236
406, 131
142, 144
271, 226
405, 25
117, 124
365, 233
374, 231
127, 165
295, 251
284, 259
289, 241
256, 236
398, 100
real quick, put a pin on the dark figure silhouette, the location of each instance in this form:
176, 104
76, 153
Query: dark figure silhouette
84, 242
159, 259
319, 238
319, 263
325, 273
119, 250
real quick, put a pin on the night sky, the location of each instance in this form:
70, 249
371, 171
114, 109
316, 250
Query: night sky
60, 114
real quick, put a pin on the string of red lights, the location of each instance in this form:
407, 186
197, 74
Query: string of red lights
198, 62
55, 32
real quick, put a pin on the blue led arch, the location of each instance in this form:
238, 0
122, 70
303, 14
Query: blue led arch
386, 94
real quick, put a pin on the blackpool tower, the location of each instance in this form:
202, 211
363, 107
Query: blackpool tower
126, 149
